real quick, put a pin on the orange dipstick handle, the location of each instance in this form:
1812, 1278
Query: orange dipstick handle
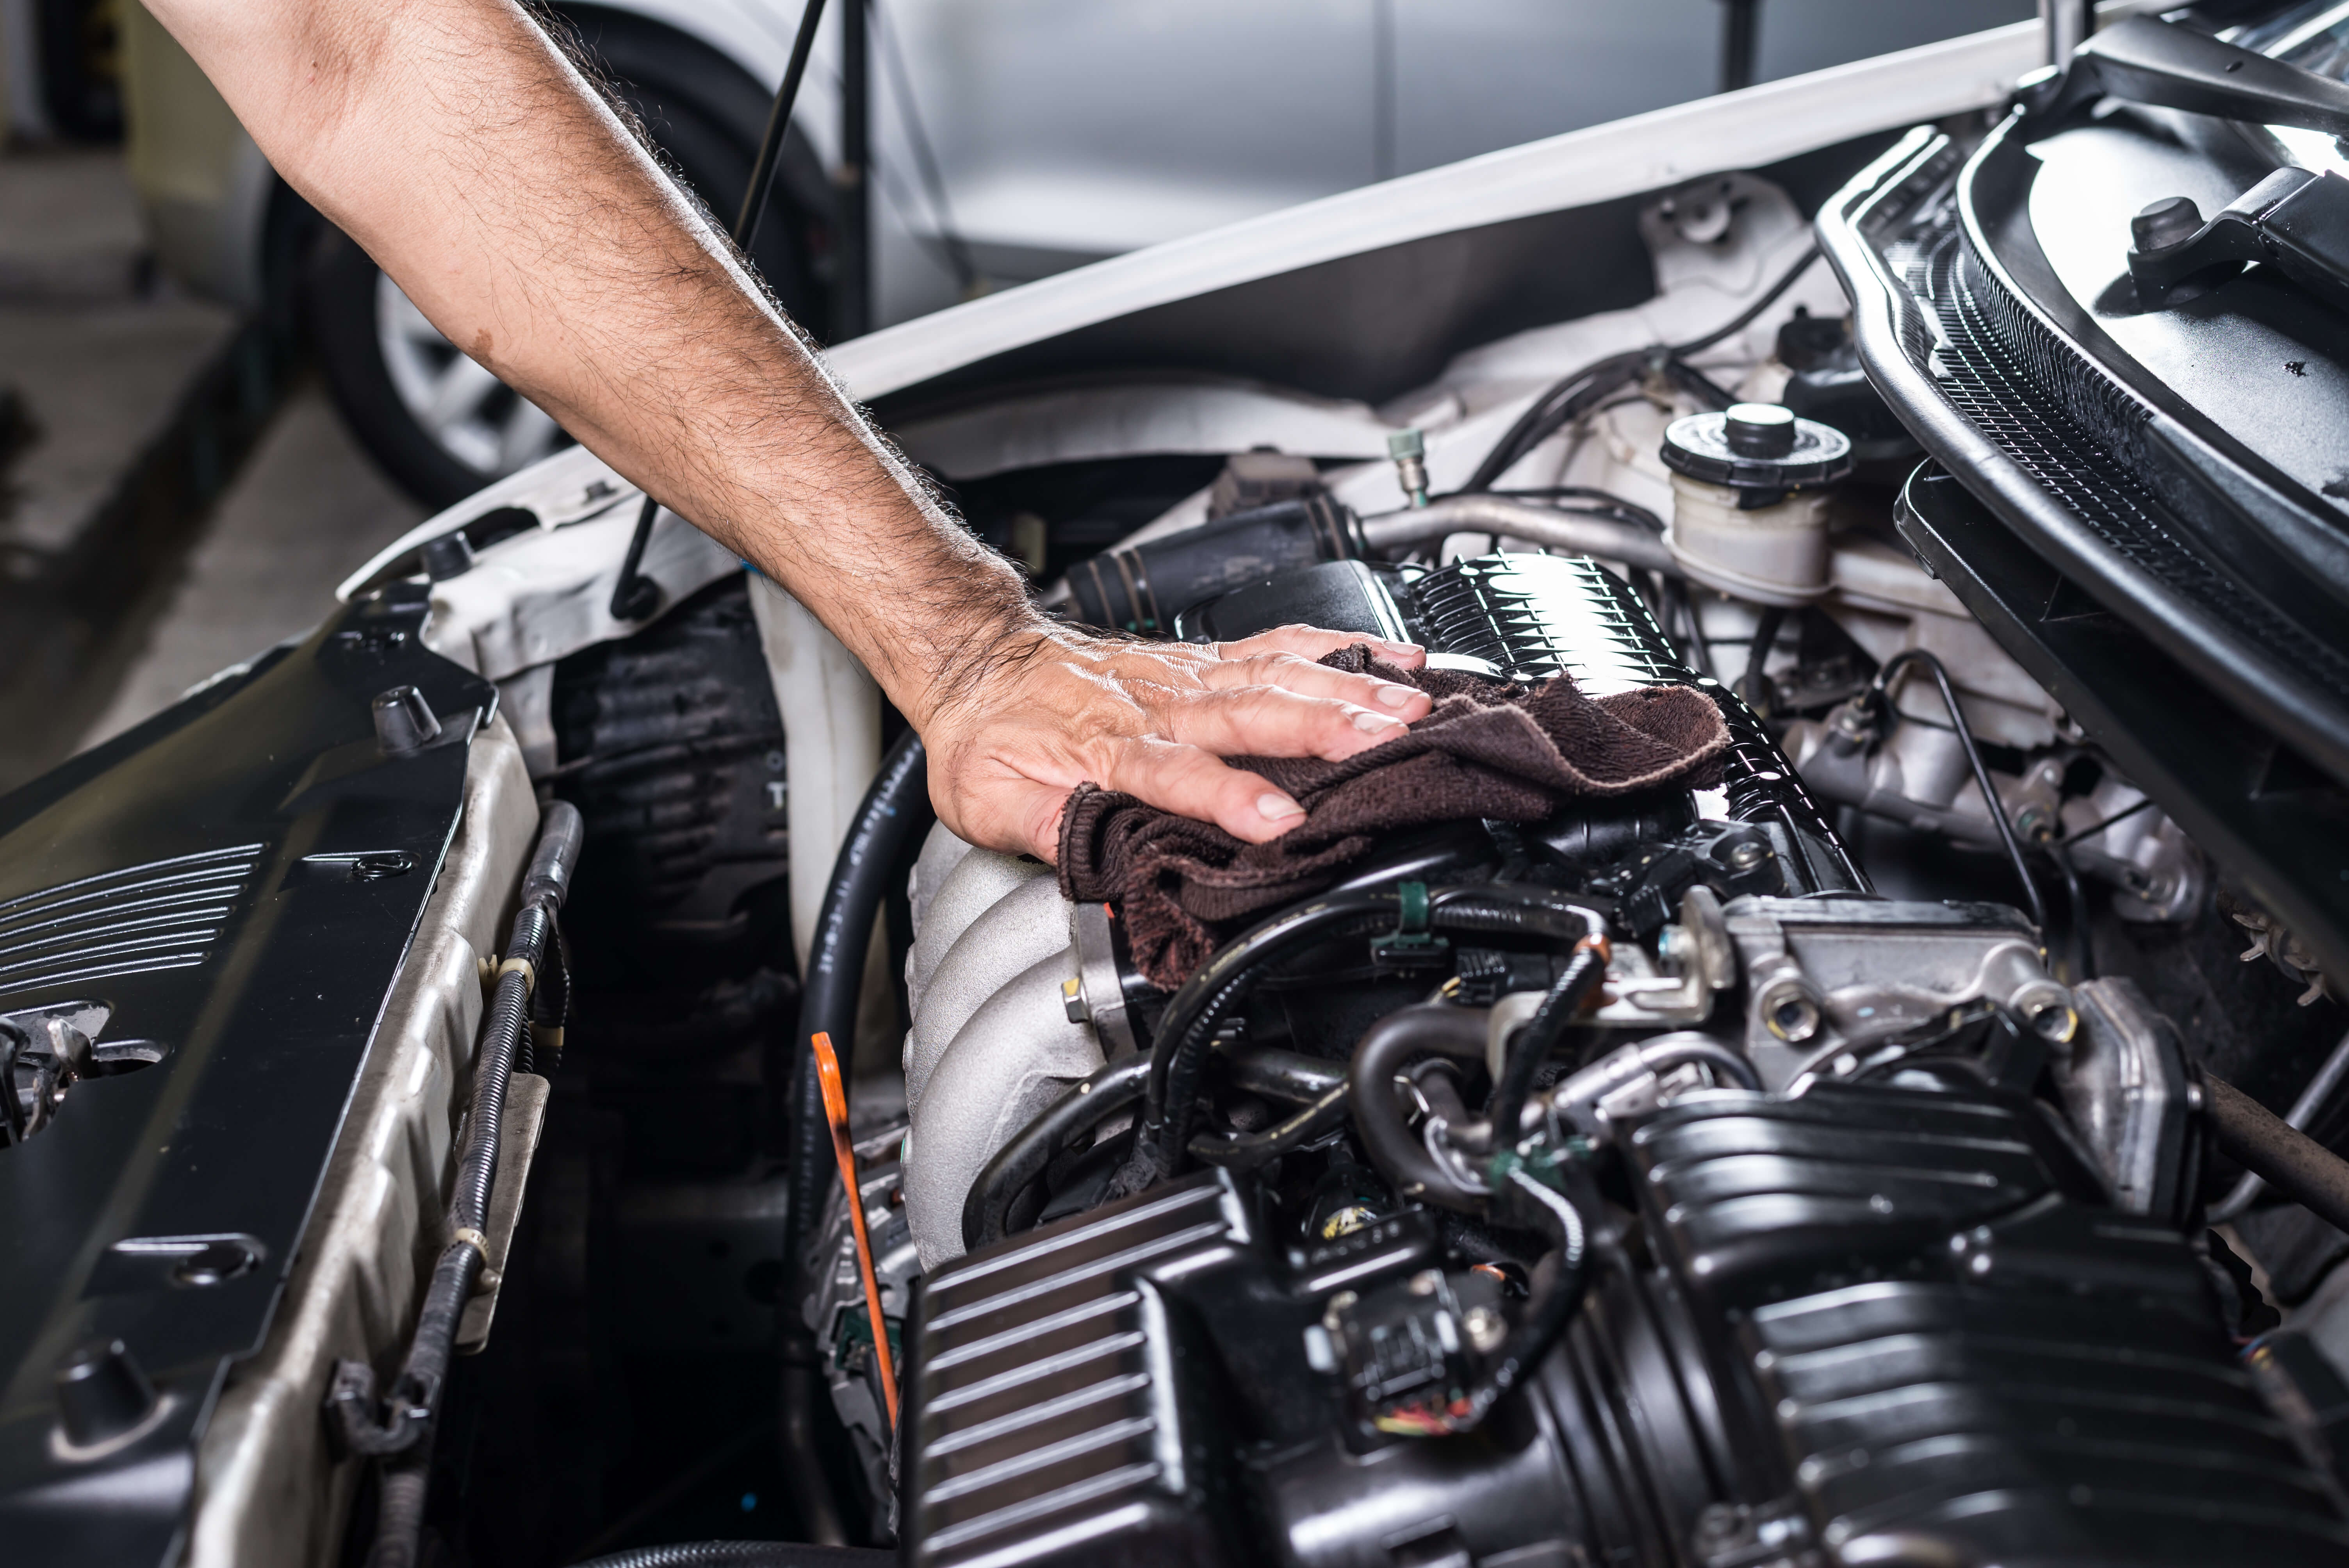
835, 1111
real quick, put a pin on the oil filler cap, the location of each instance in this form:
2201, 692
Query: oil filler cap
1756, 445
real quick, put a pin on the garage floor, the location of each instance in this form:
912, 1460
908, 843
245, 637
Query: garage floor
170, 504
308, 508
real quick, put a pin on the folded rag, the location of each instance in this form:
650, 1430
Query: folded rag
1487, 750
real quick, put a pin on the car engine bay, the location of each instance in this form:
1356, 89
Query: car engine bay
1904, 1137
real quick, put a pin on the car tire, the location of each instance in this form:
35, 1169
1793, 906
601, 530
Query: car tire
437, 424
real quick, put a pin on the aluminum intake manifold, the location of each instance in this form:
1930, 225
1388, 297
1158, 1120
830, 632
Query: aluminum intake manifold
998, 1030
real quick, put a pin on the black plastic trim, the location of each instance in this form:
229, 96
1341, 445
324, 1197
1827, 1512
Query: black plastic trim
1893, 340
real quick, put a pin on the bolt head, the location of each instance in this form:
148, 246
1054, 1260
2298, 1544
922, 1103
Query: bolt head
1791, 1015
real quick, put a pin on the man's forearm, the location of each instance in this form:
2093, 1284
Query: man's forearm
457, 144
422, 128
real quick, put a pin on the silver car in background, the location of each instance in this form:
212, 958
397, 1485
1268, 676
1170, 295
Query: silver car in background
1009, 141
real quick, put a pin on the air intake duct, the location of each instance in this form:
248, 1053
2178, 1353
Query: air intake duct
1143, 587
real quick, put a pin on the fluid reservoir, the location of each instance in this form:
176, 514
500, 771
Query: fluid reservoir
1750, 488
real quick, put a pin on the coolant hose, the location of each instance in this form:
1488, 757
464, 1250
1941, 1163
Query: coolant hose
1386, 1045
894, 810
746, 1555
2288, 1160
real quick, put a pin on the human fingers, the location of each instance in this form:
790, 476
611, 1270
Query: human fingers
1192, 782
1293, 672
1271, 721
1313, 643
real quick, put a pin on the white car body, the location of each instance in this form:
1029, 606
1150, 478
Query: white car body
544, 595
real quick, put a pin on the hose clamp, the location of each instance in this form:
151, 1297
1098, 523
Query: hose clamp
473, 1239
521, 966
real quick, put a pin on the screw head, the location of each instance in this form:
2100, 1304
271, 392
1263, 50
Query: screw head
1745, 857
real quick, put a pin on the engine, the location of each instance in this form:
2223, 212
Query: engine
1637, 1187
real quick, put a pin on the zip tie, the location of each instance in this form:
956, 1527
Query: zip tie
521, 966
473, 1239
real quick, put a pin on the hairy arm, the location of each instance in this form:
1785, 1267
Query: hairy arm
457, 144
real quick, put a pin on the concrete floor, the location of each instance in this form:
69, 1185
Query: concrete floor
308, 508
99, 362
101, 356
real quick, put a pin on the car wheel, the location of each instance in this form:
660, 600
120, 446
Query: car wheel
439, 424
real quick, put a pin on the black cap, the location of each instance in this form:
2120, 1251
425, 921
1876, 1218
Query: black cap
1756, 445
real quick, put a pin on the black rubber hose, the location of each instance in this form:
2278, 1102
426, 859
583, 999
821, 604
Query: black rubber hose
1991, 802
987, 1207
894, 810
1561, 1005
1247, 1151
1746, 317
1574, 394
746, 1555
1187, 1030
2288, 1161
1199, 1007
1386, 1046
1567, 399
1291, 1076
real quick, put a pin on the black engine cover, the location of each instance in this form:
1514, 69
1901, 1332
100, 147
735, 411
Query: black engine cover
1876, 1324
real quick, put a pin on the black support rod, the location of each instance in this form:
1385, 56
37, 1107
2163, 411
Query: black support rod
635, 596
852, 293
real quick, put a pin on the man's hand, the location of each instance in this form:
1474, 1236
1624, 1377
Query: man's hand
480, 170
1055, 708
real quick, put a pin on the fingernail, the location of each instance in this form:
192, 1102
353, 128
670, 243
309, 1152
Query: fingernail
1395, 697
1400, 647
1370, 723
1278, 808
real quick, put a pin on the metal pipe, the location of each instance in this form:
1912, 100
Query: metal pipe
2312, 1103
2293, 1164
2067, 24
1542, 525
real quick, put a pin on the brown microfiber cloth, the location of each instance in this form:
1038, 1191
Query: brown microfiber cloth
1487, 750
